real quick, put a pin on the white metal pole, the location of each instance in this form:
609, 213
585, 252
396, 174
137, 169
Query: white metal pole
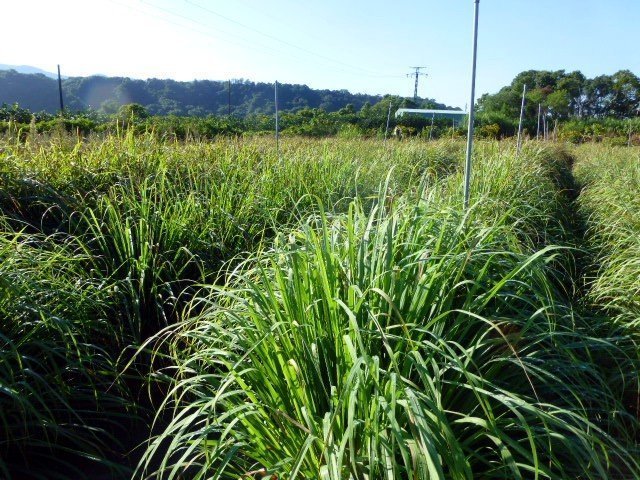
524, 91
467, 165
433, 116
386, 130
277, 130
538, 131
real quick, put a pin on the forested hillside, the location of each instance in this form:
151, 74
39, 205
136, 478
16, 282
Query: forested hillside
170, 97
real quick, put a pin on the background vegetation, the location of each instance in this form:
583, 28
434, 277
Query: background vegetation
565, 106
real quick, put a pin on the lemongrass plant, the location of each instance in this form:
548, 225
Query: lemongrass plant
611, 180
413, 341
60, 398
103, 240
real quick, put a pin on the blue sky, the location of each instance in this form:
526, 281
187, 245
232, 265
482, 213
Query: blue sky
358, 45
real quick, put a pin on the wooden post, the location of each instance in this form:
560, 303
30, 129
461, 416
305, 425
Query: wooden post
60, 91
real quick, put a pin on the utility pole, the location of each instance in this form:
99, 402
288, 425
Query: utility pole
60, 91
433, 117
386, 130
229, 97
417, 75
277, 133
524, 92
467, 163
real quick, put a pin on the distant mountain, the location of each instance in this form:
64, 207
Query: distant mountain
169, 97
29, 70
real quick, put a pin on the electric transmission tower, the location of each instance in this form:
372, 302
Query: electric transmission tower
417, 74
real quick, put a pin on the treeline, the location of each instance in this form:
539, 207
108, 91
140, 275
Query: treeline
199, 98
559, 97
369, 120
559, 106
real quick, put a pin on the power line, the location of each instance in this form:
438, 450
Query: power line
267, 35
204, 31
356, 71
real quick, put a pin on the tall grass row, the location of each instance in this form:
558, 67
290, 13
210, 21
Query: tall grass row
410, 340
103, 243
610, 179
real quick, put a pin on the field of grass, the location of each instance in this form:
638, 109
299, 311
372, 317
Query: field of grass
215, 310
611, 201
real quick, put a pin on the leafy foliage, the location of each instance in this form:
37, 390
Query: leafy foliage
561, 96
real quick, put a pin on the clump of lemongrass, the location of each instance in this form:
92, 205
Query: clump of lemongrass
412, 343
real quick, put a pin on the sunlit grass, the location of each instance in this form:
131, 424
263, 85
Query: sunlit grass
611, 182
104, 242
328, 312
412, 341
60, 401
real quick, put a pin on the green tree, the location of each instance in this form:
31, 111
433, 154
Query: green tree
599, 92
558, 103
625, 98
132, 112
574, 84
